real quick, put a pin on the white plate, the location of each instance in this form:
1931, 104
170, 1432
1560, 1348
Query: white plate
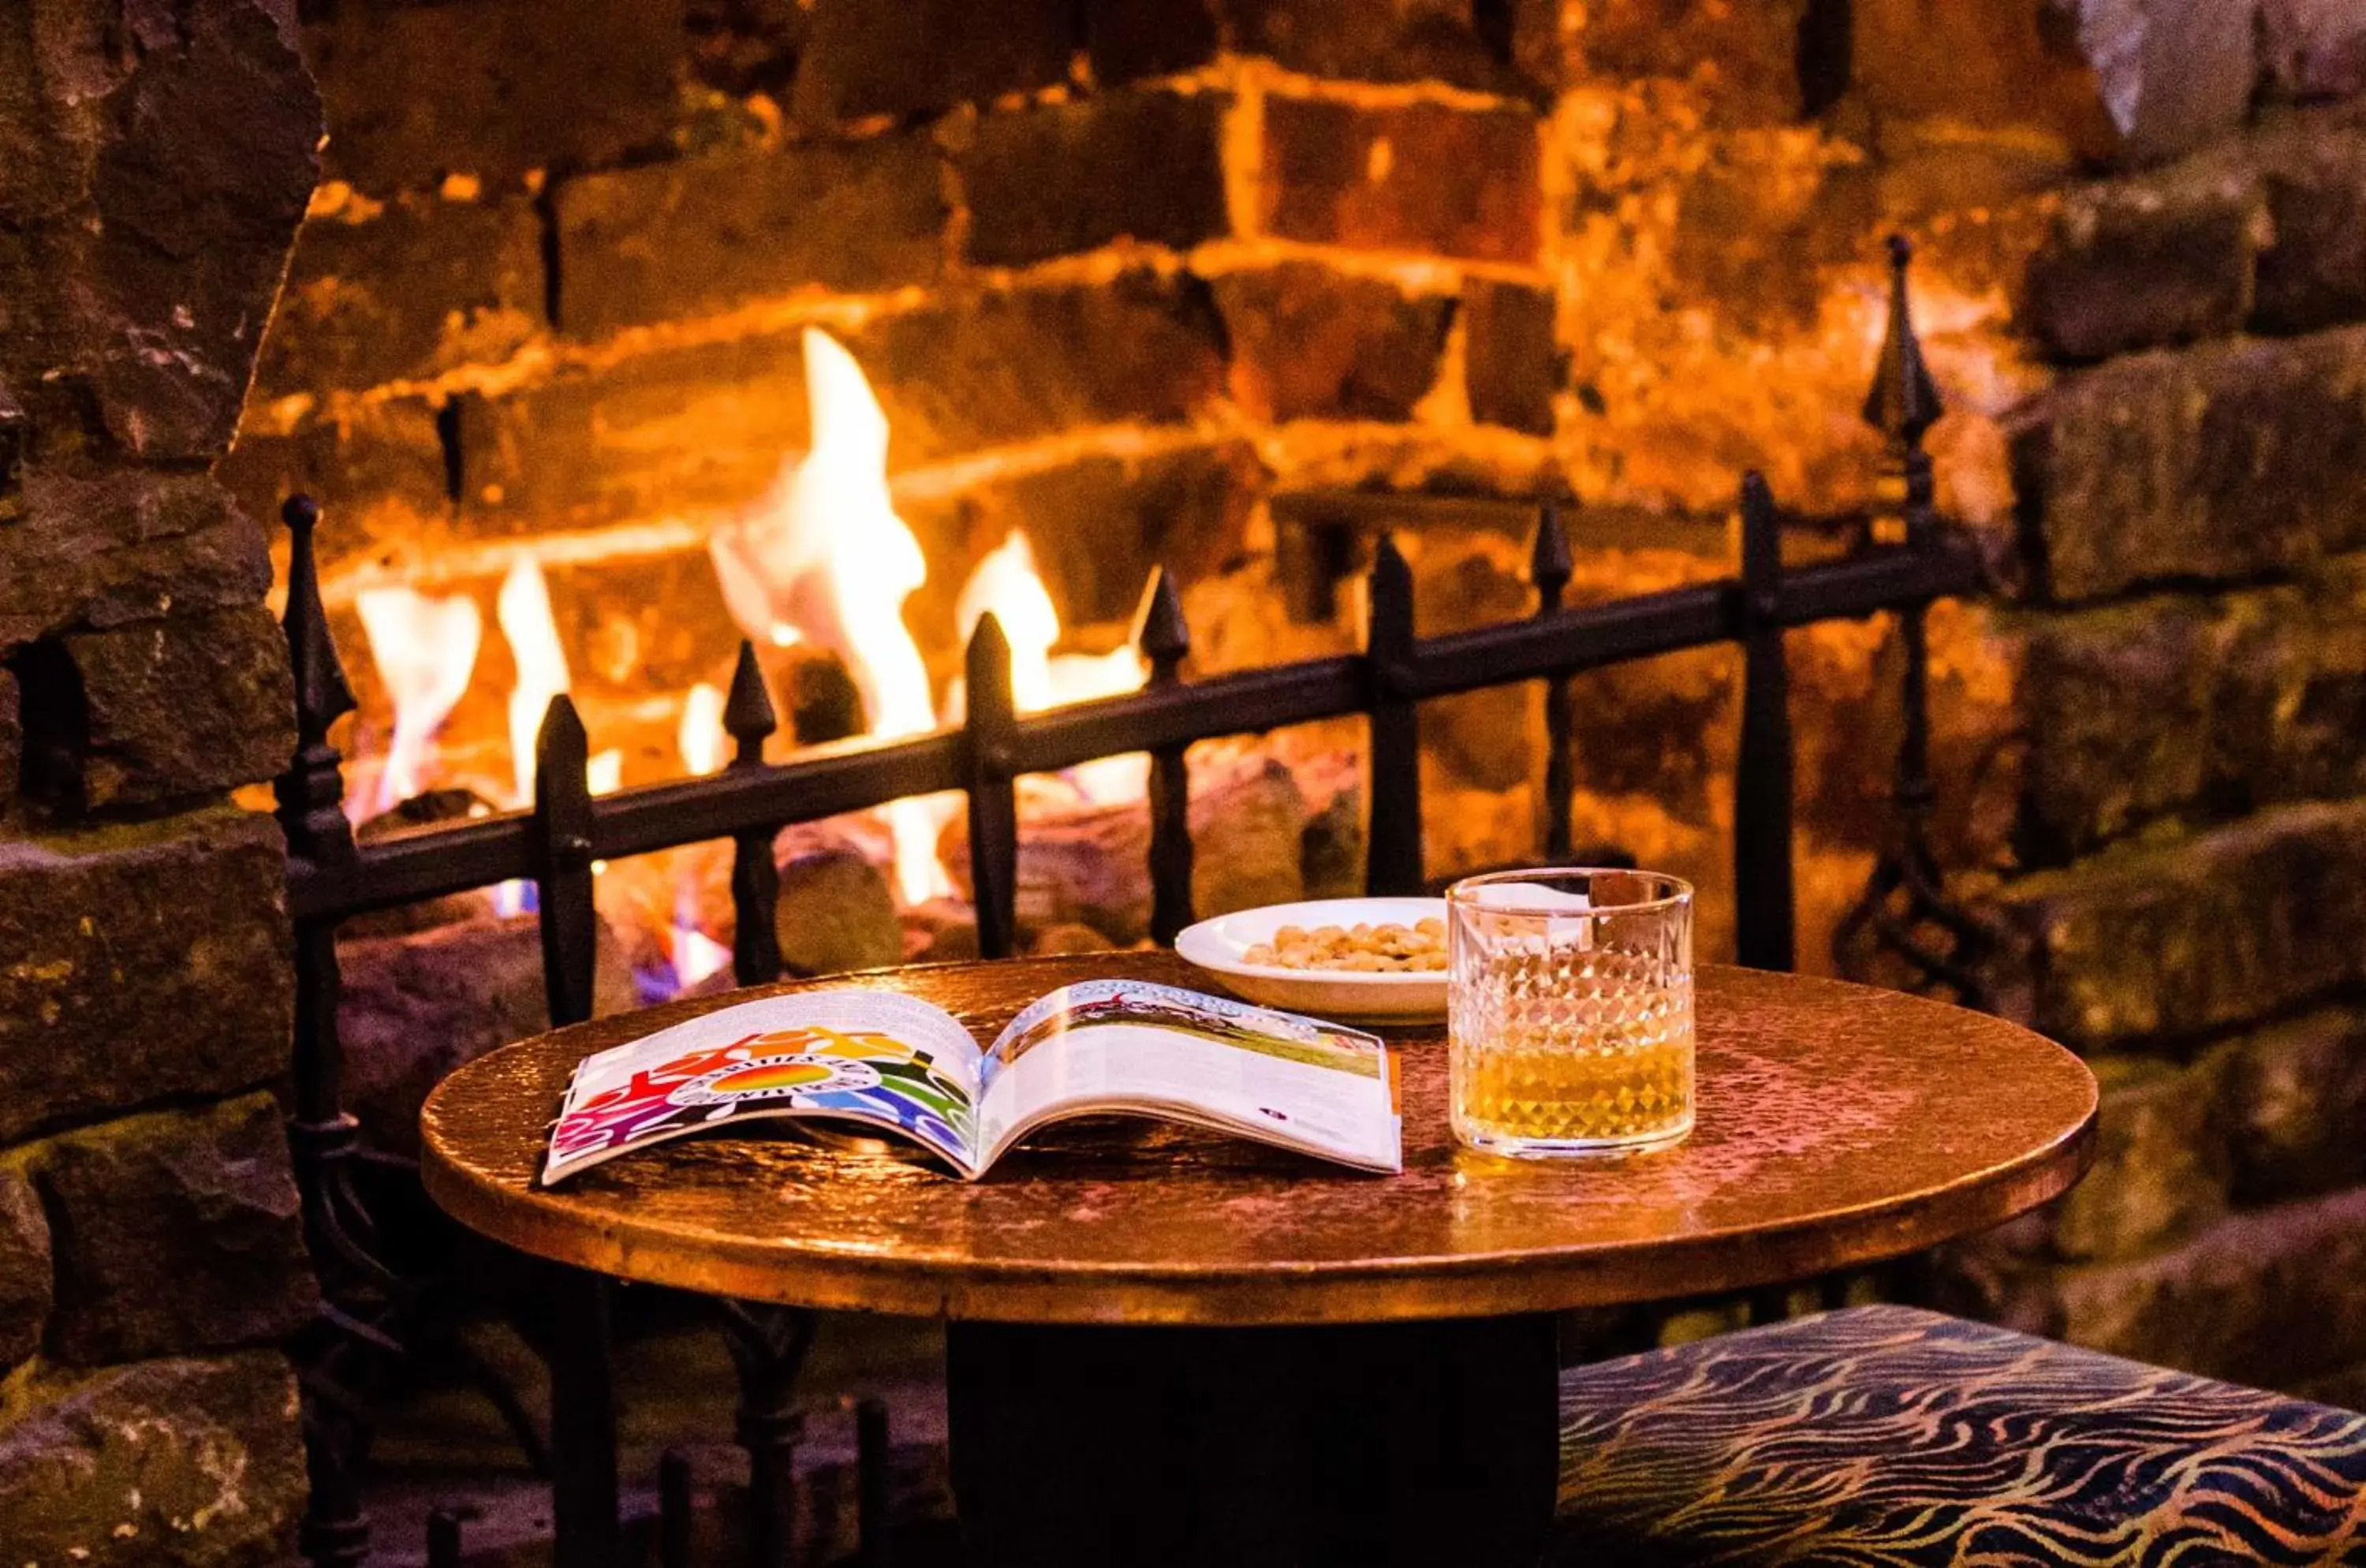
1217, 945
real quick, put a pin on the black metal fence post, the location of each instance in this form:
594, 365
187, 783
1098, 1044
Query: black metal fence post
1392, 851
749, 719
1164, 639
1763, 775
1551, 567
988, 770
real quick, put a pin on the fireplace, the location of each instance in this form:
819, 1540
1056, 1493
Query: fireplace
586, 322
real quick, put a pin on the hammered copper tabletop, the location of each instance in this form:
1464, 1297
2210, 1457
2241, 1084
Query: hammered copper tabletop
1838, 1125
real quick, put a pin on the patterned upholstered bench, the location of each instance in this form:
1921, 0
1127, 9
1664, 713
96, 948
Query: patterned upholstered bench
1886, 1435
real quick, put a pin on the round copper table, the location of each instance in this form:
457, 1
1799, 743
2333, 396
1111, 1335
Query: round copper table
1167, 1346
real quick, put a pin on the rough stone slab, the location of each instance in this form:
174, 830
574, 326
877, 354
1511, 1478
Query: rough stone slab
862, 60
2266, 1297
1395, 41
154, 956
975, 372
2218, 462
25, 1268
492, 88
2315, 175
2293, 1097
746, 45
1310, 344
103, 550
1512, 364
180, 1464
1059, 178
182, 708
1742, 58
2160, 1166
1129, 39
2314, 49
2229, 926
700, 235
404, 290
2142, 263
1417, 177
176, 1231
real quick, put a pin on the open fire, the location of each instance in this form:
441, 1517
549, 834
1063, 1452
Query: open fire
821, 562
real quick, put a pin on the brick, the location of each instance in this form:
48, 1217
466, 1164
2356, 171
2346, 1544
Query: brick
2262, 1297
184, 707
1979, 65
2292, 1096
1058, 178
1487, 739
1744, 57
154, 956
2159, 260
678, 430
2232, 925
103, 550
25, 1269
2314, 275
1099, 526
1382, 41
2160, 1168
492, 88
191, 1462
2223, 461
1009, 366
1512, 364
1417, 177
404, 290
1127, 39
173, 1232
379, 470
1309, 343
705, 234
862, 60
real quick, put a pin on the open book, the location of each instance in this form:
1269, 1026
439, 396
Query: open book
902, 1065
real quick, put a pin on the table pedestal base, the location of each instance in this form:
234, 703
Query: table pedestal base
1369, 1445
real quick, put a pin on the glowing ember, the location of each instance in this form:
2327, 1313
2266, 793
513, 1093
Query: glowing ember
824, 557
425, 649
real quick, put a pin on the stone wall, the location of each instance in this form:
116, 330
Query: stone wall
160, 157
2192, 834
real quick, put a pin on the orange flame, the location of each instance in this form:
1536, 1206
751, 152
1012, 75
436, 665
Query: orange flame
426, 650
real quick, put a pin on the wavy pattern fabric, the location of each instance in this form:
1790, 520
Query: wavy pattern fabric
1887, 1437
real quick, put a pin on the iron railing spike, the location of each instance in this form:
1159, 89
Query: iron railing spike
323, 695
1159, 628
748, 716
1904, 401
1550, 563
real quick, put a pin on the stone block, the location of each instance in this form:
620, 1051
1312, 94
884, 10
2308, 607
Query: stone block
154, 956
1416, 176
2164, 259
1742, 58
2292, 1095
2290, 719
404, 289
182, 1463
184, 707
492, 88
1980, 66
104, 551
862, 60
1309, 344
1057, 178
1005, 367
176, 1231
1490, 738
2223, 461
2240, 923
2263, 1297
741, 47
25, 1268
1512, 362
2160, 1168
699, 235
2314, 275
